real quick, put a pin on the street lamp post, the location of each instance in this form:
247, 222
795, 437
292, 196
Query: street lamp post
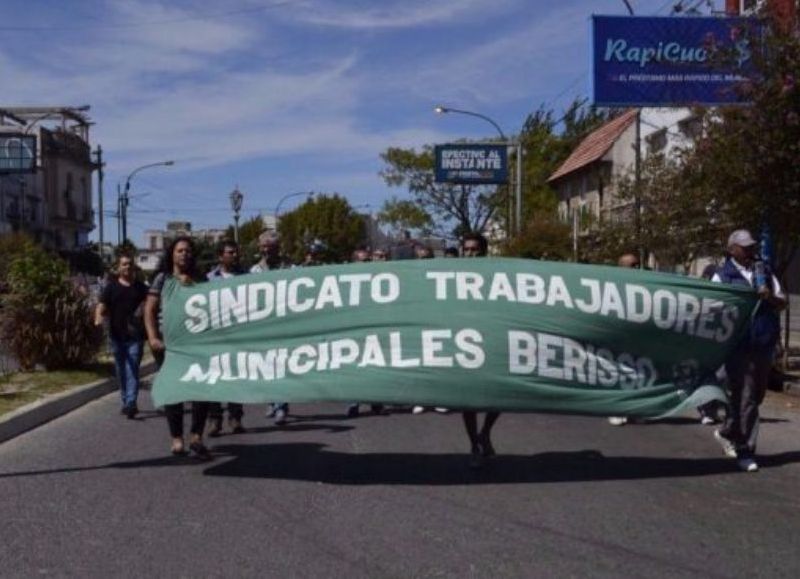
289, 196
441, 110
124, 200
236, 198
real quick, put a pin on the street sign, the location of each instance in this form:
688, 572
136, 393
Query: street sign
471, 164
17, 153
658, 61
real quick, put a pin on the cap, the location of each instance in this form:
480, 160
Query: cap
742, 238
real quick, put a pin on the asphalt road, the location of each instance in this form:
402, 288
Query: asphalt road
95, 495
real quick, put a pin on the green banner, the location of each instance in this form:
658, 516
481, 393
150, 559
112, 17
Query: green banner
504, 334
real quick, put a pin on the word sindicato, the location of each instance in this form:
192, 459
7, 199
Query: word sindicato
250, 302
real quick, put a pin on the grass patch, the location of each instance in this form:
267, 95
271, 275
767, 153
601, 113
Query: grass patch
20, 388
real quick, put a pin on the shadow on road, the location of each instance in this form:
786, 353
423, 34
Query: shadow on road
312, 462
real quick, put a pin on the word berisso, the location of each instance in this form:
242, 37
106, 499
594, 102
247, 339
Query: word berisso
676, 311
545, 355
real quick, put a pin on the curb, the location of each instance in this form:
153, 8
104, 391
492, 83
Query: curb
46, 409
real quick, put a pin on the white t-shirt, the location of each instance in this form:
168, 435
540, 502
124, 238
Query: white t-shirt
747, 273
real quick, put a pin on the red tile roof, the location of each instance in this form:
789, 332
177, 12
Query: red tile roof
595, 145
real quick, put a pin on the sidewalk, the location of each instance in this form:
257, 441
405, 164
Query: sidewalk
46, 409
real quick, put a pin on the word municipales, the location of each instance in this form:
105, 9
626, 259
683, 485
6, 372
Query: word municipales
543, 354
676, 311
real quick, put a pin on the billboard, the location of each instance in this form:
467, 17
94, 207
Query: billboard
668, 61
17, 153
471, 164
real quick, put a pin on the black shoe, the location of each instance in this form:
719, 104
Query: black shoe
131, 411
379, 410
200, 451
352, 412
236, 426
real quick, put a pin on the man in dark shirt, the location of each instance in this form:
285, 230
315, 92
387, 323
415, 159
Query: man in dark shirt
122, 302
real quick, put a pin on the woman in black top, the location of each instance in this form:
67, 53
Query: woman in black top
178, 263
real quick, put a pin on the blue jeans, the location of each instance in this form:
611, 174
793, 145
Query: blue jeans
127, 357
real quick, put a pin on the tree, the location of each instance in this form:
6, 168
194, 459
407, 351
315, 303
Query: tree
327, 219
403, 215
749, 156
543, 237
455, 209
679, 220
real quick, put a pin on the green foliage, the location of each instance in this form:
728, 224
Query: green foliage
544, 237
11, 246
403, 215
45, 319
453, 208
329, 219
749, 156
679, 219
205, 255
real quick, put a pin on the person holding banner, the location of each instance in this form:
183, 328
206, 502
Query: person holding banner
628, 260
749, 365
177, 266
362, 255
228, 266
269, 246
475, 245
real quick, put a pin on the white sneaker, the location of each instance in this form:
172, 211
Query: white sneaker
618, 420
747, 465
727, 446
441, 410
418, 410
707, 420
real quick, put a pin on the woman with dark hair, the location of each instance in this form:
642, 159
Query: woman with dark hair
177, 266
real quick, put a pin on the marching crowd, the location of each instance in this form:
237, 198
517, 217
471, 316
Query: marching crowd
132, 311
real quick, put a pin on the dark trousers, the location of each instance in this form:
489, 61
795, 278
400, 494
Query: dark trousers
748, 376
235, 411
174, 412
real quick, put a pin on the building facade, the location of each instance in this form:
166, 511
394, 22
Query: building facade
53, 204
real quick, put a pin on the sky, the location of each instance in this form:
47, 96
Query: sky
284, 96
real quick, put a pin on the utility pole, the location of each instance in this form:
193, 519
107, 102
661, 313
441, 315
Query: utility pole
119, 215
99, 156
124, 210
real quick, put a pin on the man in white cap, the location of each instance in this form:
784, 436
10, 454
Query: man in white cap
749, 365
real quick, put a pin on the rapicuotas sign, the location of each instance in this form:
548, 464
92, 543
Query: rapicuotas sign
657, 61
